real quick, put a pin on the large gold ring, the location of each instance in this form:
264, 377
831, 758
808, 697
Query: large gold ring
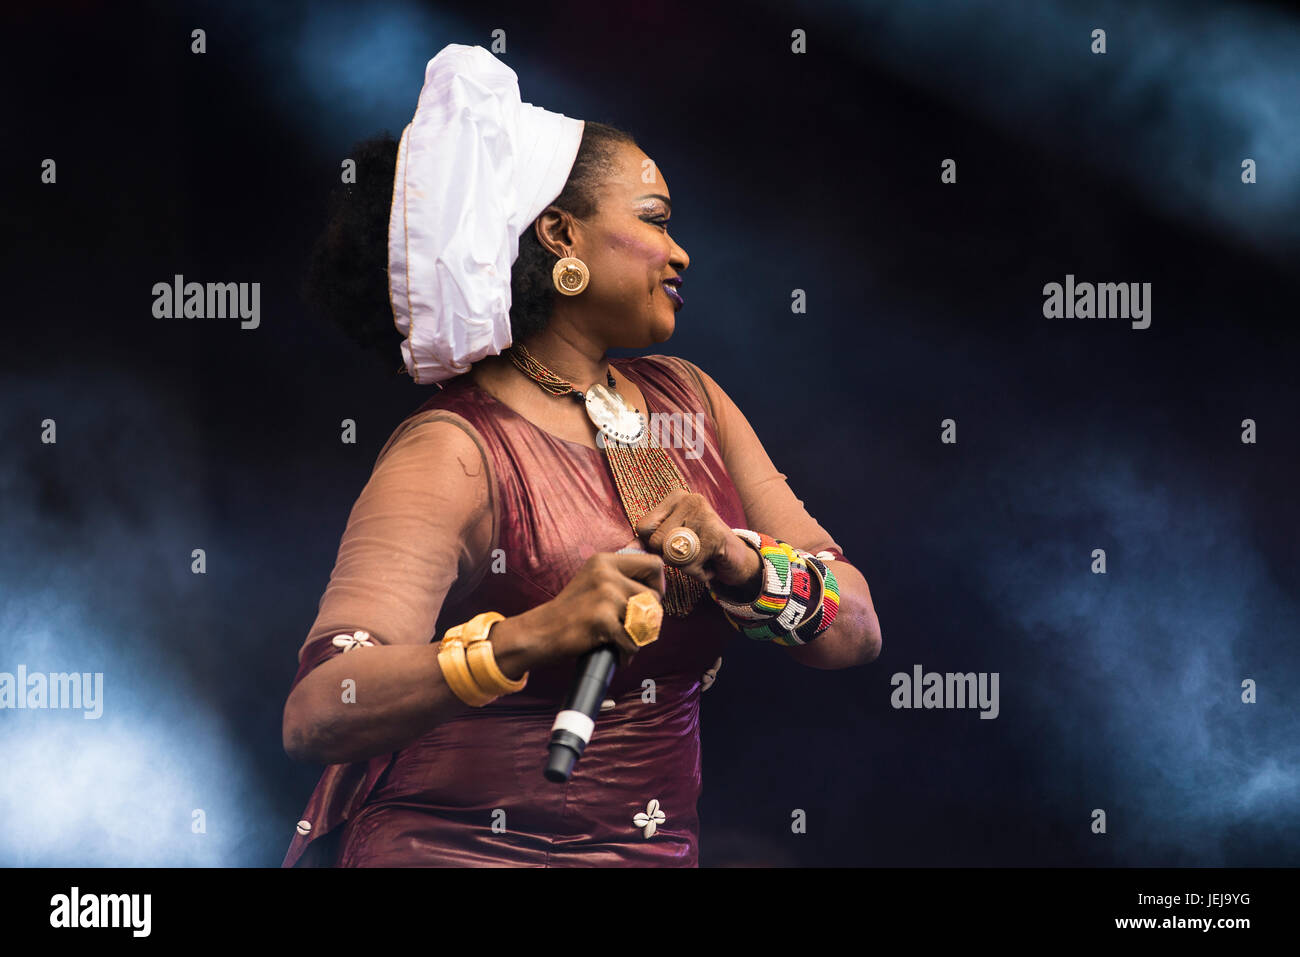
643, 617
681, 546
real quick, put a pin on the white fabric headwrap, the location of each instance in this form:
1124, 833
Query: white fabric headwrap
475, 167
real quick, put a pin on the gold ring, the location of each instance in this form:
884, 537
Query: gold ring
682, 546
643, 617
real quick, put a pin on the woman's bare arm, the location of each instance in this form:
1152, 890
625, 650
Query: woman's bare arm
424, 516
399, 694
771, 507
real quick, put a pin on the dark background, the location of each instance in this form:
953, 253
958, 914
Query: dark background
817, 171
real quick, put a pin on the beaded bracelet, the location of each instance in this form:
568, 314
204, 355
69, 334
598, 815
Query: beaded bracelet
828, 605
819, 619
785, 602
785, 612
784, 580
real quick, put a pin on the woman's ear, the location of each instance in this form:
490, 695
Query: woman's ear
557, 231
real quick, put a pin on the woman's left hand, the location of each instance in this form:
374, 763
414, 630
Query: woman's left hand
724, 558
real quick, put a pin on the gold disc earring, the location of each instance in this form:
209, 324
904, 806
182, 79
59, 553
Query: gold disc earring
570, 275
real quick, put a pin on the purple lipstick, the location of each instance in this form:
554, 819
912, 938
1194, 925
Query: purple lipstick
670, 289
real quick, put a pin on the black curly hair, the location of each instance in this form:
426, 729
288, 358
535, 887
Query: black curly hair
347, 276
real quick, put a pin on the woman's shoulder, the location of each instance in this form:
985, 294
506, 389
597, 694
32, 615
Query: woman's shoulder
456, 405
434, 430
433, 483
685, 374
673, 364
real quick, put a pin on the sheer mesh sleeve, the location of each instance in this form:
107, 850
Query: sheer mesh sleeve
422, 527
770, 504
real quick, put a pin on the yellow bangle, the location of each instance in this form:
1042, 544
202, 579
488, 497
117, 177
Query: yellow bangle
456, 673
482, 658
469, 662
455, 670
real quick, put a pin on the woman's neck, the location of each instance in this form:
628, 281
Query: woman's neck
579, 361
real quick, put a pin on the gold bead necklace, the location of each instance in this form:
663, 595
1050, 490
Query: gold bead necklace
643, 472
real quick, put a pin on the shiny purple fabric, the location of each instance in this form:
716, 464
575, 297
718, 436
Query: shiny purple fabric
470, 792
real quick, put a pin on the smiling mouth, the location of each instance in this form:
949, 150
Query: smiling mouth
672, 294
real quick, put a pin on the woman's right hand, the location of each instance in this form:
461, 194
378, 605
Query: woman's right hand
589, 611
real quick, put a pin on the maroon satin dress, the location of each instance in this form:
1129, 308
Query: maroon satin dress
471, 791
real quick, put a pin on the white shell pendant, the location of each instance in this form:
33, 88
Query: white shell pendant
611, 414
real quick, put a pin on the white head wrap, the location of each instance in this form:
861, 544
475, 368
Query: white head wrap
475, 167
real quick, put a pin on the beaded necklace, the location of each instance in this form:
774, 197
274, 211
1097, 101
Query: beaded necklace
642, 470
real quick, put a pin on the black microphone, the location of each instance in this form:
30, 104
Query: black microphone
573, 726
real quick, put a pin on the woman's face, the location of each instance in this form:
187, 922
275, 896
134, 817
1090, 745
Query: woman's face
632, 259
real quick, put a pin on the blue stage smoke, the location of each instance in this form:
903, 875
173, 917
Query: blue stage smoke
1184, 93
98, 581
1131, 681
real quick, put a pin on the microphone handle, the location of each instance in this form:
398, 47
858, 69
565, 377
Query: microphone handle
573, 726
